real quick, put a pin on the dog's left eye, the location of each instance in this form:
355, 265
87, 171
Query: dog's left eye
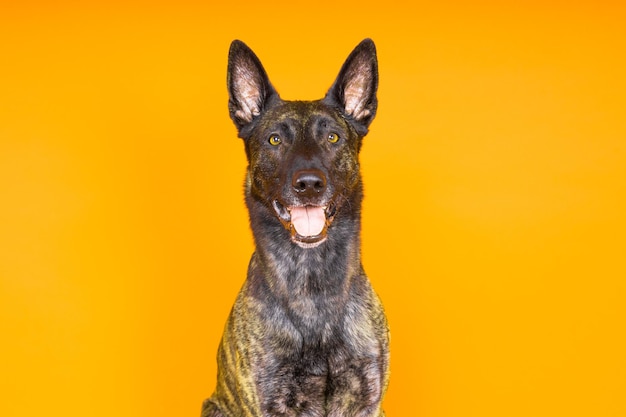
333, 137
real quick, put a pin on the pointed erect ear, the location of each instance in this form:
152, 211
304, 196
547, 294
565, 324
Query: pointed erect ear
354, 90
249, 88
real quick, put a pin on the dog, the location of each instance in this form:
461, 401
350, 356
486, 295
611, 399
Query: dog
307, 336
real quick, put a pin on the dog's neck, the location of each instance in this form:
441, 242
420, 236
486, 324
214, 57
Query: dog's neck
311, 271
314, 281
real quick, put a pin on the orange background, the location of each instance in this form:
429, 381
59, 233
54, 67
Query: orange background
494, 220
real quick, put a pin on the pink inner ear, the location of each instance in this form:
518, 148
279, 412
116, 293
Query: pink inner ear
247, 94
355, 95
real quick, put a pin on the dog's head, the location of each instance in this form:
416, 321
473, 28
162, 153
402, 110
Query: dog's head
303, 155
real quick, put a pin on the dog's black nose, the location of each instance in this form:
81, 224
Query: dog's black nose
309, 183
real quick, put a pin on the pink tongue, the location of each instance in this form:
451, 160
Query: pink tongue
308, 221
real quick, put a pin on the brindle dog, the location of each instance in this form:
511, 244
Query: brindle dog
307, 335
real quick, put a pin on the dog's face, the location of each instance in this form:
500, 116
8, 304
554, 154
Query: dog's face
303, 155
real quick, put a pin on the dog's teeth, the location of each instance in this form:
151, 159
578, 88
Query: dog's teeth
282, 212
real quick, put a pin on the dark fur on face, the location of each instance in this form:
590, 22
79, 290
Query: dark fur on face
307, 335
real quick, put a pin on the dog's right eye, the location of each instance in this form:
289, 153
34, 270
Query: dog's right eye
275, 140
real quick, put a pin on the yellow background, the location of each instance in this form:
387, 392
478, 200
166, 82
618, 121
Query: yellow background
494, 220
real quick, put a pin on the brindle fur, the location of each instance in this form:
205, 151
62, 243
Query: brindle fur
307, 335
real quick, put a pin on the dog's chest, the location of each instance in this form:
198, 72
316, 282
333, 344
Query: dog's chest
318, 361
319, 343
319, 380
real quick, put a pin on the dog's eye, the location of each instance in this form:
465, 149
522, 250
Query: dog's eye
333, 137
275, 140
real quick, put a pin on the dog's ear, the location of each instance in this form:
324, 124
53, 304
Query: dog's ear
354, 90
249, 88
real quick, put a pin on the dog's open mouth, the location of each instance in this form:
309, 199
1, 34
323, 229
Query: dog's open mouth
308, 225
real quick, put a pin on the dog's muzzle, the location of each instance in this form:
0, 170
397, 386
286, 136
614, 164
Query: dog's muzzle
309, 212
